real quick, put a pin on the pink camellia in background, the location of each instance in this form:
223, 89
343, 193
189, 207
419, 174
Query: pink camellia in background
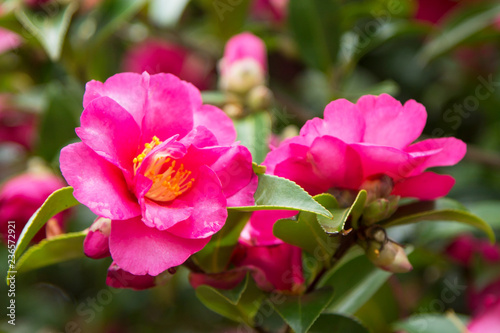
244, 65
8, 40
156, 56
160, 165
16, 125
22, 195
269, 10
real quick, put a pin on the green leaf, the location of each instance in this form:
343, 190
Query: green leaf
277, 193
254, 132
355, 280
432, 323
444, 215
216, 254
315, 26
465, 24
57, 202
301, 311
166, 13
488, 211
335, 323
48, 28
226, 17
340, 215
52, 251
240, 304
111, 15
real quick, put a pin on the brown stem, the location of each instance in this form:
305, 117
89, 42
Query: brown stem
480, 156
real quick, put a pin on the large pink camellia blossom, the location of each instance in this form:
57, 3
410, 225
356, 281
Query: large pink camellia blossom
359, 142
160, 165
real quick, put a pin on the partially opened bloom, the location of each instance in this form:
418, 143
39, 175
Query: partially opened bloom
244, 65
22, 195
358, 145
160, 165
158, 56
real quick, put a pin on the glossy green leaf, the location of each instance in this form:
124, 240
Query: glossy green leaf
301, 311
335, 323
254, 132
52, 251
57, 202
166, 13
240, 304
355, 280
464, 25
315, 26
277, 193
340, 215
444, 215
216, 254
432, 323
48, 28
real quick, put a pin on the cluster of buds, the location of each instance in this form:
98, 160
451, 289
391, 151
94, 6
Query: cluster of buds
243, 72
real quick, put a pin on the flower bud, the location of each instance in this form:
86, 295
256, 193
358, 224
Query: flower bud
242, 76
96, 243
259, 98
380, 209
390, 256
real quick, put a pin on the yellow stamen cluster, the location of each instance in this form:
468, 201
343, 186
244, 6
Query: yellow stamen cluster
147, 149
170, 183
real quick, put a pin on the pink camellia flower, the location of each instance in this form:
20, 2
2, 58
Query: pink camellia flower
8, 40
465, 247
356, 144
244, 65
362, 141
21, 196
157, 56
270, 10
160, 165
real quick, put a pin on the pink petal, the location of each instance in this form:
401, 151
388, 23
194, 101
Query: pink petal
141, 250
169, 108
111, 132
8, 40
343, 121
437, 152
209, 207
118, 278
127, 89
242, 46
389, 123
98, 184
245, 196
296, 145
488, 321
217, 121
96, 243
390, 161
225, 280
259, 229
337, 162
200, 137
165, 215
426, 186
234, 169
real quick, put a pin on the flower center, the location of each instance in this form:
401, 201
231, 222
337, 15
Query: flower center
169, 181
169, 178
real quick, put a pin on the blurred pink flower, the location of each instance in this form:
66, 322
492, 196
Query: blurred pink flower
465, 247
22, 195
362, 141
157, 56
9, 40
434, 10
16, 125
244, 65
270, 10
486, 318
159, 164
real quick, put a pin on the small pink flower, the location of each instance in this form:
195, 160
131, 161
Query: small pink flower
21, 196
244, 65
157, 56
9, 40
270, 10
158, 163
357, 142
